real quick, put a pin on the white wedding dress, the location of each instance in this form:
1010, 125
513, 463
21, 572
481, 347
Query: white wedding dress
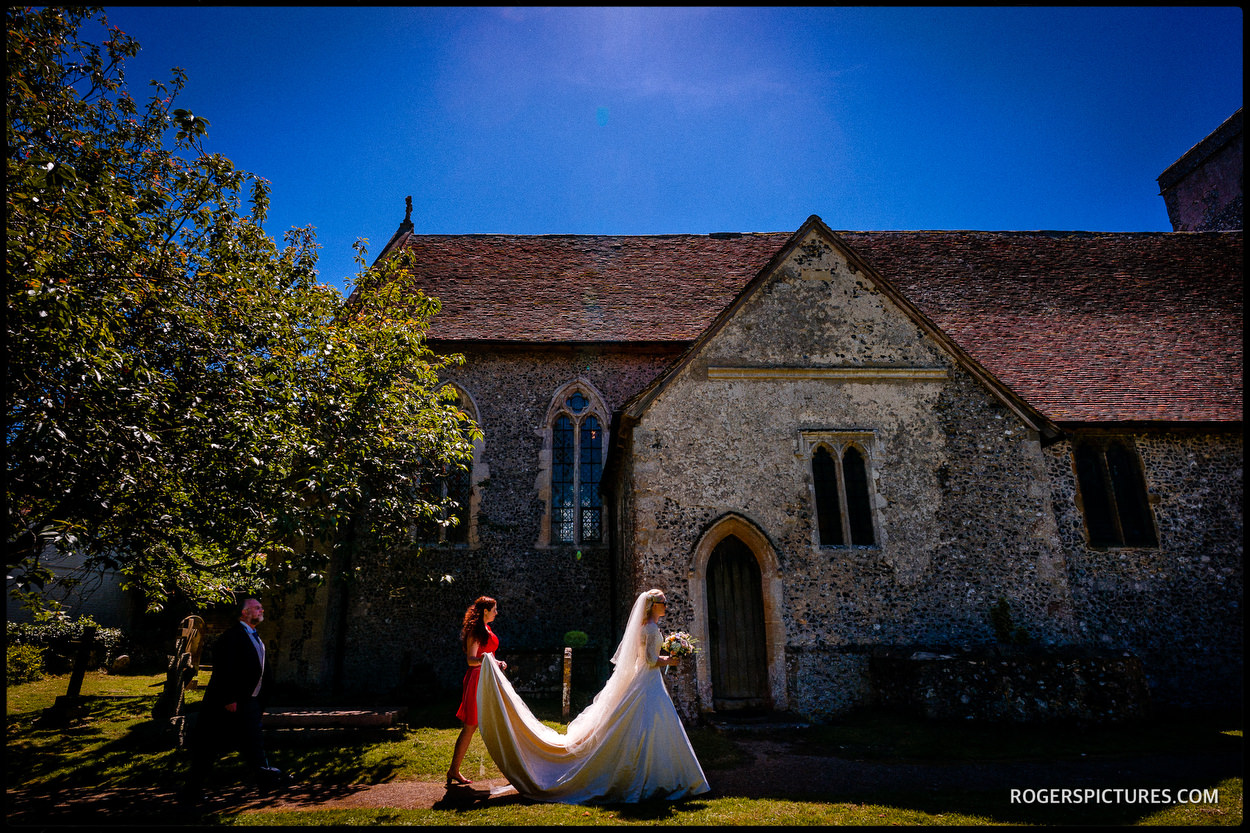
628, 745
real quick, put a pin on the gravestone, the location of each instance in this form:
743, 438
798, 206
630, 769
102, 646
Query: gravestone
69, 704
180, 676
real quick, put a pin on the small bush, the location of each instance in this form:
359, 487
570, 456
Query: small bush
576, 639
1006, 630
23, 664
57, 635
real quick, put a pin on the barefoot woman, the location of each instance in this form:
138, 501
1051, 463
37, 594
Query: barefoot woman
477, 638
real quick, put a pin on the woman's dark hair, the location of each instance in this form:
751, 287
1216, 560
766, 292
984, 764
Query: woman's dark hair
475, 620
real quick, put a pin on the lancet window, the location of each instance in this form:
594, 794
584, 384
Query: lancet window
842, 490
1113, 493
577, 453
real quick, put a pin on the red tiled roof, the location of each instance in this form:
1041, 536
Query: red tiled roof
584, 288
1086, 327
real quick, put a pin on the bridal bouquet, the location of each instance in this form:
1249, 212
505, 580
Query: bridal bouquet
680, 644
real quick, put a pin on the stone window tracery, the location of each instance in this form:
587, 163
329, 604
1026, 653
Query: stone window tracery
577, 445
842, 488
1112, 490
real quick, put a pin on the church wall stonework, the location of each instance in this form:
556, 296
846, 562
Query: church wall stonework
404, 615
969, 511
963, 513
1178, 606
296, 638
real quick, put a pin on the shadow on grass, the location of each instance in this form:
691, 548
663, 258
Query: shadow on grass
1112, 774
334, 757
872, 734
716, 751
92, 750
115, 765
657, 810
1132, 805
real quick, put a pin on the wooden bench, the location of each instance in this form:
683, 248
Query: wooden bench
296, 717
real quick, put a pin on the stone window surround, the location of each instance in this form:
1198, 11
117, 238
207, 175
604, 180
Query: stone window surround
478, 472
599, 410
1101, 438
836, 441
771, 590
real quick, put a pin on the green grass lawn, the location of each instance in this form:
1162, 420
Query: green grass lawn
115, 746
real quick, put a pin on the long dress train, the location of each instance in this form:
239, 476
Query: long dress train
628, 745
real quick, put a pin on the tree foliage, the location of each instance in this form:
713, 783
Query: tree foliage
185, 401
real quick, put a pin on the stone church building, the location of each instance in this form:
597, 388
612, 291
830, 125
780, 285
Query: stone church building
827, 447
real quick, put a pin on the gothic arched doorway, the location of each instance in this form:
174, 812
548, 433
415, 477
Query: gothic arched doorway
737, 641
767, 581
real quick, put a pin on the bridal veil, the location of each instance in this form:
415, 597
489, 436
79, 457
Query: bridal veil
627, 745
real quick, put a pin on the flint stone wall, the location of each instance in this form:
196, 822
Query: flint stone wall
963, 509
969, 509
1178, 606
1058, 686
404, 621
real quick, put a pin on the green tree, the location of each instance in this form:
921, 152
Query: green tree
185, 402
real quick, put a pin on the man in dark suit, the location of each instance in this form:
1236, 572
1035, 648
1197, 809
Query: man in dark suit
231, 710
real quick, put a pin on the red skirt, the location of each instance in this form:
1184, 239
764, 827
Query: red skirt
468, 700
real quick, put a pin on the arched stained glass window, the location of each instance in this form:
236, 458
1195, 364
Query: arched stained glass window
456, 483
563, 454
858, 507
577, 448
591, 449
459, 490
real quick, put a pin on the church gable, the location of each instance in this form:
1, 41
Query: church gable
884, 486
819, 311
820, 377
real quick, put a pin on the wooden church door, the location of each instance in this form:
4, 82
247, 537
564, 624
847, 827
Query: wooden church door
735, 611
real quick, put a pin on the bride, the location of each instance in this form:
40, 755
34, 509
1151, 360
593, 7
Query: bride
628, 745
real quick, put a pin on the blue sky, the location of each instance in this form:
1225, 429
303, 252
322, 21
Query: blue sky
697, 120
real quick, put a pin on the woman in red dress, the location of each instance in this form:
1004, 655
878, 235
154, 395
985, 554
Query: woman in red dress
477, 639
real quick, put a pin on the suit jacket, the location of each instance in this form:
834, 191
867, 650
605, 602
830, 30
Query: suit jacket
236, 668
